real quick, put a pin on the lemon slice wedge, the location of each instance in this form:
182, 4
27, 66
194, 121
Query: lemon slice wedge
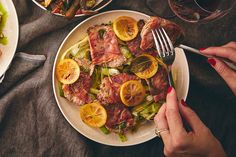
126, 28
93, 114
132, 93
67, 71
151, 70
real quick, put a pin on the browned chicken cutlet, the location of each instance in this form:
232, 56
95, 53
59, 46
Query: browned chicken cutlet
78, 92
159, 85
119, 118
173, 30
104, 46
134, 45
110, 88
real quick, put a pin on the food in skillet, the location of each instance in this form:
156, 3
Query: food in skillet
3, 20
69, 8
115, 75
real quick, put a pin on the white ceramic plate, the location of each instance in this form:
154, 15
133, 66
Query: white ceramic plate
79, 15
11, 31
71, 112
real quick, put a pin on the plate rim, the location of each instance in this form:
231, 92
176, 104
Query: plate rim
17, 35
79, 15
54, 88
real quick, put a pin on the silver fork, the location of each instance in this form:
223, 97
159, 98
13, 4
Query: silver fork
165, 50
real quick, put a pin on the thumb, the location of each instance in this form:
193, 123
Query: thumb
225, 72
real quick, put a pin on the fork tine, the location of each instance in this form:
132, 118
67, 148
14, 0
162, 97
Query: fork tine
161, 43
168, 40
167, 49
156, 43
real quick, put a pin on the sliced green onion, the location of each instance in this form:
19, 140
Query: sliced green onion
149, 117
104, 130
102, 76
83, 42
121, 42
83, 54
137, 109
94, 91
149, 98
110, 71
3, 20
121, 126
96, 77
110, 24
101, 33
105, 71
61, 92
138, 121
4, 40
74, 51
129, 61
92, 96
76, 48
122, 137
3, 17
113, 71
125, 51
149, 112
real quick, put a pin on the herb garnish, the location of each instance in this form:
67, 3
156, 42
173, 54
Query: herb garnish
140, 64
101, 33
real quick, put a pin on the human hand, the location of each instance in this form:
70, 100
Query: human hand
177, 141
226, 51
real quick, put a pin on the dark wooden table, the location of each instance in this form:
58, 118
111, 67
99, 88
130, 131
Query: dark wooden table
208, 95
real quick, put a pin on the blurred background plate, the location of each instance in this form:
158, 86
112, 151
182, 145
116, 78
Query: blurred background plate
11, 31
100, 4
71, 111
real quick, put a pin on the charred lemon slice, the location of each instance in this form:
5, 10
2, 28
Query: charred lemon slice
126, 28
67, 71
132, 93
151, 70
93, 114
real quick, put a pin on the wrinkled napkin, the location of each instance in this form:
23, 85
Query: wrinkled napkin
31, 123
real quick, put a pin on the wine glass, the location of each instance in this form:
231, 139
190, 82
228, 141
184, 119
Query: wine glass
201, 10
191, 10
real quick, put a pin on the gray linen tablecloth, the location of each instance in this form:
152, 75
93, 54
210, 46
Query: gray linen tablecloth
31, 124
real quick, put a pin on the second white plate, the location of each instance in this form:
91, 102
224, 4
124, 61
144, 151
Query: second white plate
11, 31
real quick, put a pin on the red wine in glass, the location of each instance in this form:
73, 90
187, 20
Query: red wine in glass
201, 10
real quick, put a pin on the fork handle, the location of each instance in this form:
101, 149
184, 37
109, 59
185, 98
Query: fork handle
231, 64
170, 78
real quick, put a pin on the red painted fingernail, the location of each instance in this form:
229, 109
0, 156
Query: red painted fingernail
211, 61
183, 103
169, 89
202, 49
